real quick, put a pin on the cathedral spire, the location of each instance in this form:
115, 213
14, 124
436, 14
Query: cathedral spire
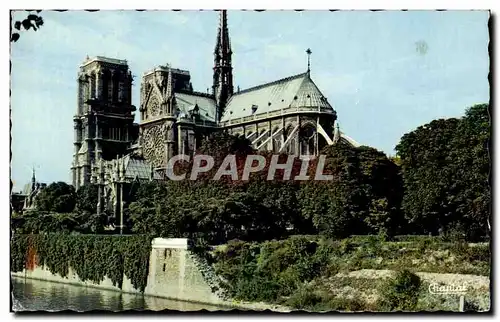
222, 87
33, 179
223, 45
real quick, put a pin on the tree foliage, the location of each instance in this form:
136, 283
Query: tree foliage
445, 167
86, 198
270, 270
32, 21
56, 197
214, 213
363, 197
59, 209
438, 184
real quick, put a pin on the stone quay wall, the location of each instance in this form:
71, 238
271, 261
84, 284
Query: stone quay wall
175, 273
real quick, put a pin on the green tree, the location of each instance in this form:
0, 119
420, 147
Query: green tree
56, 197
363, 197
222, 143
86, 198
35, 221
427, 175
445, 167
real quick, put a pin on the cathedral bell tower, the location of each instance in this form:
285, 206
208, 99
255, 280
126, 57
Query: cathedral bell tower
104, 118
222, 87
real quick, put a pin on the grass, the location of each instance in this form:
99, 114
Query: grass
425, 256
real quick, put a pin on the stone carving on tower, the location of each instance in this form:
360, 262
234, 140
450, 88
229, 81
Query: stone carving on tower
154, 107
154, 144
158, 112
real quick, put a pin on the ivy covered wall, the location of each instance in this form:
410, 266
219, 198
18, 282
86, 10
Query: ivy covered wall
92, 257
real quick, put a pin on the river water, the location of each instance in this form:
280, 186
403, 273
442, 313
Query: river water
35, 295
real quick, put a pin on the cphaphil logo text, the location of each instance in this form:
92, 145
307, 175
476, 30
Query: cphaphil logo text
253, 163
435, 288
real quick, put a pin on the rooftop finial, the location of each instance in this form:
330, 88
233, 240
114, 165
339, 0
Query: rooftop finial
308, 52
336, 133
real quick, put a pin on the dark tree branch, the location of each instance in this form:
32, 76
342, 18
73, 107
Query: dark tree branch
32, 21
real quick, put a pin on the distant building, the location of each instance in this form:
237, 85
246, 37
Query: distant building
17, 201
25, 199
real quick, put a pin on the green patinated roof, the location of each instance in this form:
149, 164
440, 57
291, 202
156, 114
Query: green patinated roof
294, 91
186, 102
136, 167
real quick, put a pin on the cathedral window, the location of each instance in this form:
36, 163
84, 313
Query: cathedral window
92, 86
307, 140
105, 85
120, 92
113, 133
110, 86
115, 87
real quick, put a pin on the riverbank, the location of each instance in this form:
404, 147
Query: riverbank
299, 273
355, 274
43, 275
37, 295
166, 268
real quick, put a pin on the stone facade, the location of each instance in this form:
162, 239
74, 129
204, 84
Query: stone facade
173, 116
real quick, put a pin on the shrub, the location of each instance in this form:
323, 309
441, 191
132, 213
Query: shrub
311, 300
400, 293
304, 299
270, 270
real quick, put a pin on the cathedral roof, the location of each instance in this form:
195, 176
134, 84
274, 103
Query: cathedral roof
295, 91
187, 101
137, 167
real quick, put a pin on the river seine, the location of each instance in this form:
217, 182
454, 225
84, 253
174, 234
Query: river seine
35, 295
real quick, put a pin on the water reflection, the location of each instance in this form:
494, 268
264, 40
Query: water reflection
34, 295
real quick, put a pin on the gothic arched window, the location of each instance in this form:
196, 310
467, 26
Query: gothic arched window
307, 140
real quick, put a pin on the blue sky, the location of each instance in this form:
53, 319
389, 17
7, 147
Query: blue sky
366, 63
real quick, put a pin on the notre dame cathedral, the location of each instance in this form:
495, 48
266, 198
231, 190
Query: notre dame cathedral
288, 115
